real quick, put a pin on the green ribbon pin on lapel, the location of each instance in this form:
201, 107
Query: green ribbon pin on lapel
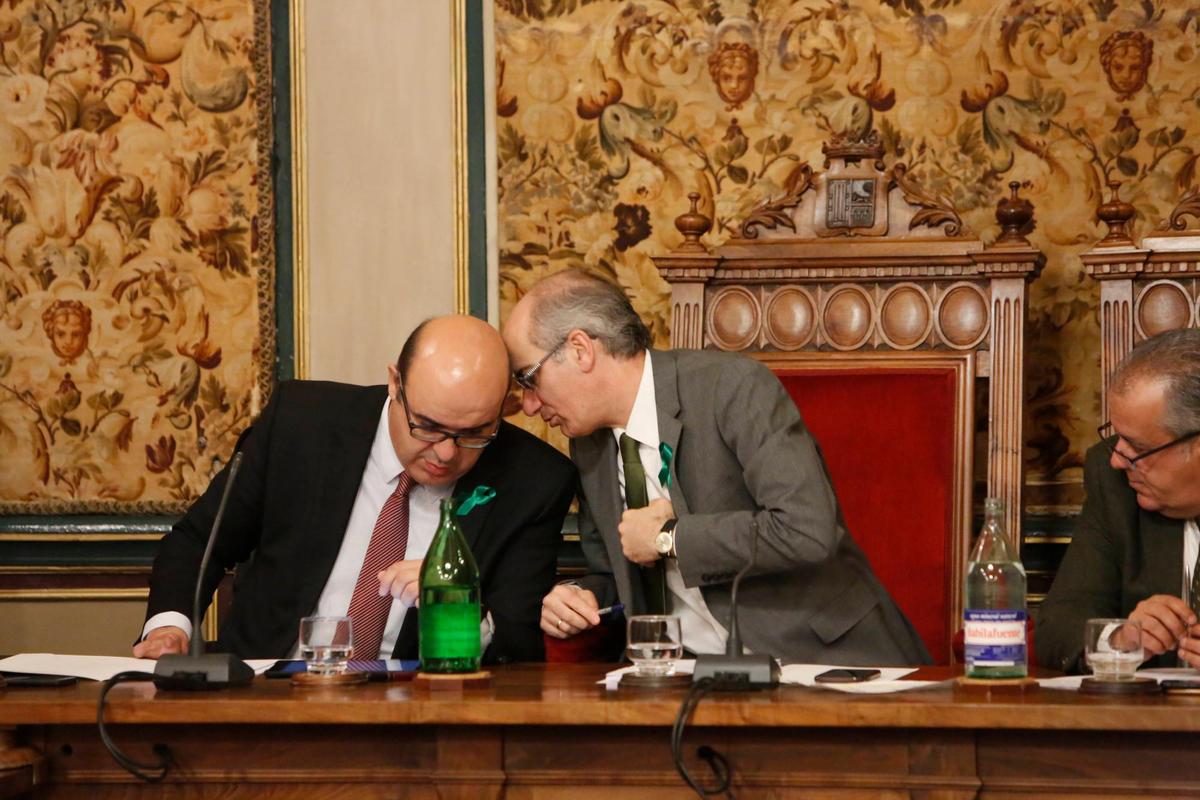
664, 474
480, 497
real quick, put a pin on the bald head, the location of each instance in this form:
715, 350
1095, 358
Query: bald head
457, 352
451, 378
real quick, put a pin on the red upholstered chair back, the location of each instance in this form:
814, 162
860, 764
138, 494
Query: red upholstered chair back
897, 451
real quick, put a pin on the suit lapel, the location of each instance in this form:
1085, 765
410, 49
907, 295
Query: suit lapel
596, 458
1162, 551
670, 428
339, 475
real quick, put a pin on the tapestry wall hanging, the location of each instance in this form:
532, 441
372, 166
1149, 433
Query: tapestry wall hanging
136, 248
610, 112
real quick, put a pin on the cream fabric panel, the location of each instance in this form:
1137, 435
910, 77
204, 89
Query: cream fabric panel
82, 627
380, 171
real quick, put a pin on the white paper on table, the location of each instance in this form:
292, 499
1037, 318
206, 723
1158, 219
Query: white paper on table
683, 666
1072, 682
96, 668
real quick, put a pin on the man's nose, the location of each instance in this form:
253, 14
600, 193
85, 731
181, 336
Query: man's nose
445, 449
530, 402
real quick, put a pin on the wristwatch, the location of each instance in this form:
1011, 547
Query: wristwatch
664, 542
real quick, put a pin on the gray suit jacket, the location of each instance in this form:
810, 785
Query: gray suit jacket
1119, 556
742, 456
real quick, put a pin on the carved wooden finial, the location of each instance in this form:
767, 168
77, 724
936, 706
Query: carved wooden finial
1116, 214
1014, 214
693, 225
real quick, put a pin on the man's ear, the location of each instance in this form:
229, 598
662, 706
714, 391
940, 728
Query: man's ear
393, 380
585, 349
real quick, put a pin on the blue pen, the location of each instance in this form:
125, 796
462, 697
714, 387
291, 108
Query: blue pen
614, 609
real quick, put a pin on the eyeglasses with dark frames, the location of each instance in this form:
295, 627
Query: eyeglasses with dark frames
527, 378
1111, 438
433, 434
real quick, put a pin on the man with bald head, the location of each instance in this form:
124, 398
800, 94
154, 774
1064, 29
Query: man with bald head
331, 473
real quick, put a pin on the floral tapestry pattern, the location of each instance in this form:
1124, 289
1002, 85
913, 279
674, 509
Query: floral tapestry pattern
611, 111
136, 260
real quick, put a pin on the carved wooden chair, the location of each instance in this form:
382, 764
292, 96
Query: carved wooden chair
878, 311
1147, 289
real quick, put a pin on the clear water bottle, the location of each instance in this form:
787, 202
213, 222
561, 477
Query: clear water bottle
994, 615
450, 600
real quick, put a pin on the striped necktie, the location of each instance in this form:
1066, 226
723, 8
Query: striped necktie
389, 540
654, 579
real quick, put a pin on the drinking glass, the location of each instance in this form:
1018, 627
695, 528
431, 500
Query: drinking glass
1113, 648
326, 644
654, 644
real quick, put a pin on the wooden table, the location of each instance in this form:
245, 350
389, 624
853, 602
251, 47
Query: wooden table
550, 732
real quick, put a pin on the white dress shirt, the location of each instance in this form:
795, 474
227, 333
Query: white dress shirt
701, 631
1191, 546
379, 481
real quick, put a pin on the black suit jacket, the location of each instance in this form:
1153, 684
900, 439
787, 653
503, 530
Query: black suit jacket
1118, 556
303, 462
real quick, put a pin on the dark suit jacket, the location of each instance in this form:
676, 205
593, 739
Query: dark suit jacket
303, 462
743, 457
1119, 556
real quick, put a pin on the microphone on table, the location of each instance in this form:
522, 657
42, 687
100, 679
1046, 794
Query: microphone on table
198, 670
735, 669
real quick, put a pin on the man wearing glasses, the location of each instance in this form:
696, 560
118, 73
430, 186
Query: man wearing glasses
337, 501
685, 457
1134, 553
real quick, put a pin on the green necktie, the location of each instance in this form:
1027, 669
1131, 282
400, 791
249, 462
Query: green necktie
654, 581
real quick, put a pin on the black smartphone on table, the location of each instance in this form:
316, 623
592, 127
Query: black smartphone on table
847, 675
1180, 686
32, 680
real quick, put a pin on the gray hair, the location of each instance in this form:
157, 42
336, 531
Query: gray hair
1173, 358
575, 300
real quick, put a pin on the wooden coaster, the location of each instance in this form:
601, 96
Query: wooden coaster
1002, 685
313, 680
1134, 686
453, 680
640, 683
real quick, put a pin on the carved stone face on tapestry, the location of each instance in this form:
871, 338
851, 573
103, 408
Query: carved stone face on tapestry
1126, 58
733, 69
67, 324
733, 63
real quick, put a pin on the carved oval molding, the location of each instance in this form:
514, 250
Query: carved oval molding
847, 317
905, 316
962, 316
734, 319
791, 318
1162, 306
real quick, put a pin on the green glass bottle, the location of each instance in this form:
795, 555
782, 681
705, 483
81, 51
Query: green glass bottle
450, 613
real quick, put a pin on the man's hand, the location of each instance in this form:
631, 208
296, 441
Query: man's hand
638, 528
163, 641
1189, 647
402, 581
1164, 619
569, 610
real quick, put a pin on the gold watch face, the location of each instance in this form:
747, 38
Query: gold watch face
662, 543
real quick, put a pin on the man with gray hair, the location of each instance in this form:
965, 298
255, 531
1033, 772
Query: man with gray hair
685, 458
1134, 552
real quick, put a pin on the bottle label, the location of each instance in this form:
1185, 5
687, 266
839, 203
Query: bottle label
994, 638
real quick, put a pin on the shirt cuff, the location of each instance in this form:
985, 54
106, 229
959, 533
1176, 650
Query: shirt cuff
487, 629
165, 619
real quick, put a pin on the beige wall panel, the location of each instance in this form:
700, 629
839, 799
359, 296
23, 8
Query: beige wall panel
380, 176
82, 627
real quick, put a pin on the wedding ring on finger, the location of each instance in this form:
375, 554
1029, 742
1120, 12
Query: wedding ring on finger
559, 624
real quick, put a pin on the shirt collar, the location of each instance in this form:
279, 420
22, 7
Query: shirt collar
643, 419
